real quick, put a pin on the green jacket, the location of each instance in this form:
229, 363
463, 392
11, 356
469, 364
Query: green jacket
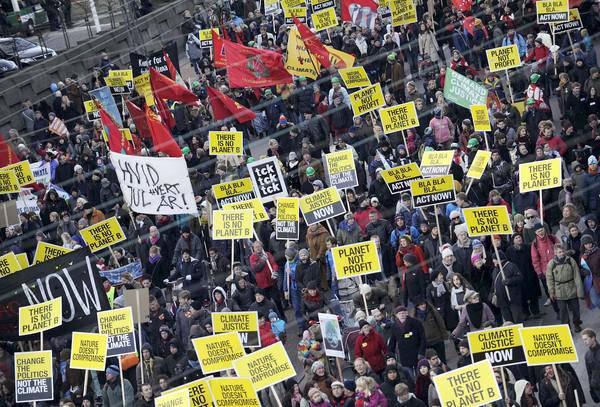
564, 280
111, 394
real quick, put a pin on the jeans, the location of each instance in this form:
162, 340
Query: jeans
564, 306
296, 299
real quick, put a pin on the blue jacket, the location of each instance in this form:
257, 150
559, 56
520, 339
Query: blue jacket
592, 188
519, 41
291, 266
396, 234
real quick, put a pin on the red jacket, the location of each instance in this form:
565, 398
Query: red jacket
373, 349
538, 54
542, 251
556, 143
417, 251
261, 270
267, 337
362, 217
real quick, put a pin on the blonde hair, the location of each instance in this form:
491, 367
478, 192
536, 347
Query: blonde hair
366, 383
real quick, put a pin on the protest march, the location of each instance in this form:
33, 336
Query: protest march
312, 203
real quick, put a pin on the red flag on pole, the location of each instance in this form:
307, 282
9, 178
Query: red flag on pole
172, 70
224, 107
161, 136
7, 154
112, 130
218, 51
360, 12
313, 44
165, 88
139, 118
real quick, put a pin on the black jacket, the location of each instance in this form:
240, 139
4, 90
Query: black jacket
513, 280
408, 341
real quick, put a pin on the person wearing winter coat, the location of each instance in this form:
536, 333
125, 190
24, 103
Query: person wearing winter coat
519, 253
193, 274
370, 346
475, 316
404, 398
348, 231
158, 316
507, 287
565, 286
243, 296
391, 378
592, 362
112, 393
265, 269
590, 262
438, 295
548, 393
189, 241
219, 300
542, 251
307, 271
153, 367
261, 304
375, 297
313, 302
407, 338
434, 326
410, 284
368, 393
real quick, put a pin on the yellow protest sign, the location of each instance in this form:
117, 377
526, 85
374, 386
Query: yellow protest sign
23, 261
118, 325
260, 214
500, 346
398, 178
117, 85
403, 12
548, 344
225, 143
340, 59
481, 118
103, 234
46, 251
574, 23
355, 77
40, 317
322, 205
436, 163
23, 172
235, 191
198, 391
34, 376
217, 352
399, 117
245, 323
293, 3
318, 5
88, 351
488, 220
266, 367
502, 58
432, 191
539, 175
473, 385
367, 99
9, 264
233, 392
179, 398
126, 74
356, 259
298, 12
232, 224
479, 164
143, 87
8, 182
324, 19
287, 221
205, 37
552, 11
299, 61
341, 170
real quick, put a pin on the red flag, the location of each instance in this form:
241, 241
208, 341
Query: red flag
139, 118
313, 44
360, 12
112, 131
164, 112
172, 70
161, 136
166, 88
251, 67
218, 51
462, 5
7, 154
224, 107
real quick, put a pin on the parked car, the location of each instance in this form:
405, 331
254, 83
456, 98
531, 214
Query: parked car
7, 66
27, 52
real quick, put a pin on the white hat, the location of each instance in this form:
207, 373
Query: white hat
447, 251
458, 229
365, 289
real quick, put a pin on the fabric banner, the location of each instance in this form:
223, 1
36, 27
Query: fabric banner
463, 91
41, 172
114, 276
27, 202
155, 186
107, 101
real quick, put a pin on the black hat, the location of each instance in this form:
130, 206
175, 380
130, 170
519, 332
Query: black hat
410, 258
312, 285
197, 305
362, 323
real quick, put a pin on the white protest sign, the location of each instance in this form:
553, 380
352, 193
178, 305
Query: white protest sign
41, 172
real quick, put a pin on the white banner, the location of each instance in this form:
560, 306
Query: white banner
27, 201
155, 186
41, 172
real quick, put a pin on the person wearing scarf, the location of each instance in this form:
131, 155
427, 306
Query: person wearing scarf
532, 218
565, 286
590, 262
474, 316
569, 216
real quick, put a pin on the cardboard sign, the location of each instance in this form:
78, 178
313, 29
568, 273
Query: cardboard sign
481, 118
552, 11
23, 260
179, 398
432, 191
574, 23
548, 344
366, 100
332, 335
403, 12
103, 234
318, 5
40, 317
399, 117
9, 264
8, 182
341, 170
463, 91
479, 164
46, 251
267, 179
233, 392
225, 143
355, 77
198, 391
539, 175
436, 163
232, 224
500, 346
321, 205
235, 191
398, 178
287, 222
324, 19
502, 58
88, 351
91, 110
258, 210
266, 367
356, 259
205, 37
473, 385
139, 301
217, 352
23, 172
33, 376
9, 212
245, 323
488, 220
118, 325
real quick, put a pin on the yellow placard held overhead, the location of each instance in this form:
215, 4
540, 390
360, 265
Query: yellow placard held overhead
355, 77
574, 23
9, 264
479, 164
217, 352
324, 19
103, 234
235, 191
500, 346
552, 11
502, 58
143, 87
481, 118
356, 259
91, 110
179, 398
23, 260
118, 325
299, 61
299, 12
287, 222
539, 175
245, 323
198, 391
403, 12
34, 376
398, 178
236, 224
225, 143
40, 317
266, 367
88, 351
322, 205
399, 117
341, 169
472, 385
548, 344
23, 172
366, 100
205, 37
432, 191
233, 392
436, 163
46, 251
488, 220
260, 214
8, 182
126, 74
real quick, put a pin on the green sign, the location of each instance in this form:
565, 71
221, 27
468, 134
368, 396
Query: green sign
463, 91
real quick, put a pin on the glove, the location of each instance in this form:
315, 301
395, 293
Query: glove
166, 281
188, 277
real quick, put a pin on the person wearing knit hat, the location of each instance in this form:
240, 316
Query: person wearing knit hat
585, 240
111, 392
112, 370
317, 364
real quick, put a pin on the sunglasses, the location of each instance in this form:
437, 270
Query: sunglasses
529, 217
